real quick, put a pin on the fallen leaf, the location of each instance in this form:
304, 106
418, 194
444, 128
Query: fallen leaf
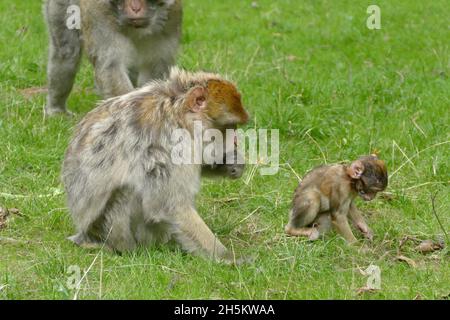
16, 212
366, 289
31, 92
409, 261
4, 213
428, 246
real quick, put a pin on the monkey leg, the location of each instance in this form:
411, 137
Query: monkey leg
111, 78
340, 222
63, 58
108, 222
323, 224
157, 70
194, 236
303, 215
359, 222
115, 225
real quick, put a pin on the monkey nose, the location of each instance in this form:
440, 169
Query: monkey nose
136, 9
136, 6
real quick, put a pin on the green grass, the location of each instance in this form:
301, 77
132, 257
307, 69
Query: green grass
312, 69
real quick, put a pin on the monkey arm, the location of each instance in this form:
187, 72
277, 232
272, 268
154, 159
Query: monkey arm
359, 222
340, 222
196, 237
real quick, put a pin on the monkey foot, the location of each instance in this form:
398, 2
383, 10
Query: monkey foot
314, 234
82, 242
311, 233
367, 233
52, 112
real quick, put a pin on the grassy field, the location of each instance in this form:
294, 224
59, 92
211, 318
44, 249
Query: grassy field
311, 69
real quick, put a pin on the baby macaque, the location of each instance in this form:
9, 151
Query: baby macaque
123, 187
326, 195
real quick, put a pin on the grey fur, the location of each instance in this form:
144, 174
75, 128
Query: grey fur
123, 57
128, 192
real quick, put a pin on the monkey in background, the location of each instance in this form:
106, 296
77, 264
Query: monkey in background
122, 187
129, 42
326, 195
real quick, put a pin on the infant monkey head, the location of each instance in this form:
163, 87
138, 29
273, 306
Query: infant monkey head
369, 175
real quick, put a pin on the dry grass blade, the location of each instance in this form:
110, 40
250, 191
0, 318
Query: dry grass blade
409, 261
433, 206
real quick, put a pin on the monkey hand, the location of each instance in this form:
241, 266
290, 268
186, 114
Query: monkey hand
368, 235
365, 230
238, 261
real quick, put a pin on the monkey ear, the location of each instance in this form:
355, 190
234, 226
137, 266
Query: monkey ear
196, 99
356, 169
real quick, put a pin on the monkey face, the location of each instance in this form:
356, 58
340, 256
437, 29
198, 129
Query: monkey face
365, 193
233, 170
141, 13
373, 179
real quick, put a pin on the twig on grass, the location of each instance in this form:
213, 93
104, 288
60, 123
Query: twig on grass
433, 207
54, 192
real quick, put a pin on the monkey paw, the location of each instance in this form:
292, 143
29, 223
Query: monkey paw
367, 233
81, 241
314, 235
52, 112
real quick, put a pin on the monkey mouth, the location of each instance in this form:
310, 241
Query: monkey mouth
365, 196
139, 23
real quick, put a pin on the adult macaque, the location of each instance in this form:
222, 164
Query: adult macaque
325, 198
129, 42
122, 185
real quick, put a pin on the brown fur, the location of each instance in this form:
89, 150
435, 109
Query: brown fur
326, 196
